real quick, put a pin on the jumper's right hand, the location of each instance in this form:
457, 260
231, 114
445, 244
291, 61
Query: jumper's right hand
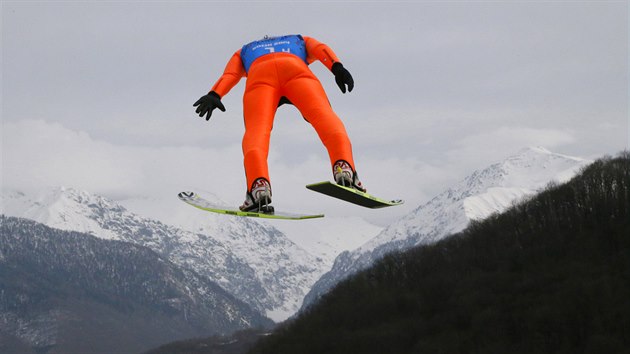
208, 103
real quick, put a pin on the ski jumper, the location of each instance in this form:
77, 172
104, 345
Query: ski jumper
275, 68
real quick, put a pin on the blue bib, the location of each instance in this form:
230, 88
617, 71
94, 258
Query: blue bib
293, 44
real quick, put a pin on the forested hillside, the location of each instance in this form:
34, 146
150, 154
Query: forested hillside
552, 274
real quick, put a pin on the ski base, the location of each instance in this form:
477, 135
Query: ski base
352, 195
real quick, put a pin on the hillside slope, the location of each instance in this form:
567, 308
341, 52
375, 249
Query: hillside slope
549, 275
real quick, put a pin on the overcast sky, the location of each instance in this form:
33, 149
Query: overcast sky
98, 95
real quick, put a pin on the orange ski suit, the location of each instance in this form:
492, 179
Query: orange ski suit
271, 77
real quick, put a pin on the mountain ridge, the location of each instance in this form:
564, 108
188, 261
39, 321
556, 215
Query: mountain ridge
477, 196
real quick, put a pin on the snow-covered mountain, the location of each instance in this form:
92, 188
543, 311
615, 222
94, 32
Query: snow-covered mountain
256, 263
271, 266
479, 195
70, 292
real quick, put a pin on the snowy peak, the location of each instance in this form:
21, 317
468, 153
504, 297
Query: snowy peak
494, 188
63, 208
531, 167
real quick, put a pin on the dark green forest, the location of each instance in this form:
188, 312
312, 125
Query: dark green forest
549, 275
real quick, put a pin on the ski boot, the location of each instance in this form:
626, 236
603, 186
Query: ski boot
345, 176
259, 198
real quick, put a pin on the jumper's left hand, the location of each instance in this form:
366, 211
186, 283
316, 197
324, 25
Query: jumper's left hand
342, 77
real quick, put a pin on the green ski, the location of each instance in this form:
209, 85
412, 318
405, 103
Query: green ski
204, 204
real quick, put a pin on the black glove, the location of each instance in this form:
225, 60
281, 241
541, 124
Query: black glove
342, 77
208, 103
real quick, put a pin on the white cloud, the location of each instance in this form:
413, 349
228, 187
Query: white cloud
38, 154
